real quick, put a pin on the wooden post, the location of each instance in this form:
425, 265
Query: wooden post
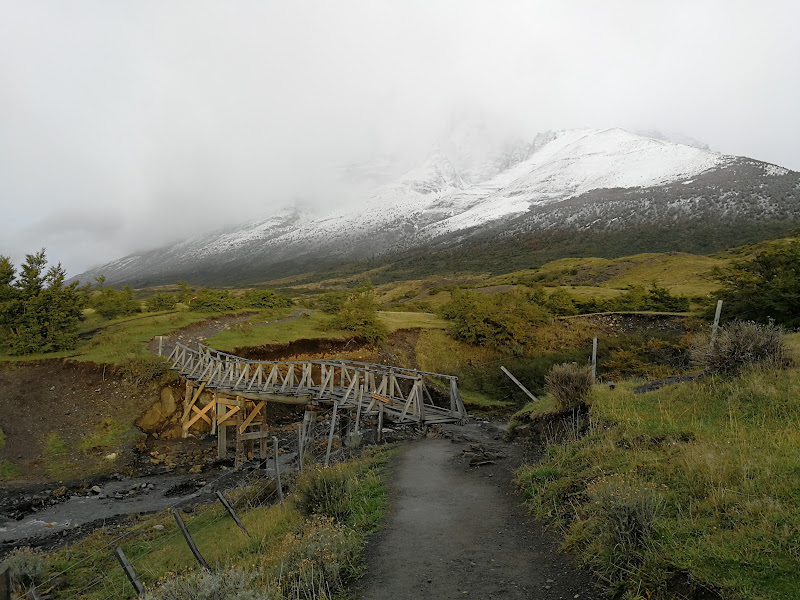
300, 442
238, 462
522, 387
594, 358
129, 572
263, 441
277, 468
5, 583
190, 542
358, 410
330, 434
231, 512
380, 421
715, 326
160, 344
222, 431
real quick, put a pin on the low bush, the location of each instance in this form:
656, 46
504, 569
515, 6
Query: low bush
741, 343
569, 383
230, 584
161, 301
26, 567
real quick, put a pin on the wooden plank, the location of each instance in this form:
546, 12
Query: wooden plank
254, 435
129, 572
225, 416
330, 433
189, 541
277, 469
383, 399
522, 387
201, 414
222, 432
252, 416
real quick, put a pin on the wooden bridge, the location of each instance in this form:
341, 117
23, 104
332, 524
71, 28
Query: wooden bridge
241, 388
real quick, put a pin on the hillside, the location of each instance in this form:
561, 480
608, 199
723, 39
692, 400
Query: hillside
567, 193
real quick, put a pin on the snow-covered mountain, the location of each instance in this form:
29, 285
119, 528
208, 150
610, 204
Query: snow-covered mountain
470, 185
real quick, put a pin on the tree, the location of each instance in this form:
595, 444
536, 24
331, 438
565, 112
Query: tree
359, 313
111, 303
764, 288
38, 313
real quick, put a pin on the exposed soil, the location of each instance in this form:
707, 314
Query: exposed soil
456, 529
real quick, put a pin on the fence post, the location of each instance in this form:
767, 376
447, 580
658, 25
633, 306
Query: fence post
277, 468
160, 344
129, 572
231, 512
5, 583
594, 358
715, 326
300, 442
189, 541
330, 433
380, 421
358, 410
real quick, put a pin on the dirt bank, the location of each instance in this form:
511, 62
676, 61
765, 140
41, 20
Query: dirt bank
456, 529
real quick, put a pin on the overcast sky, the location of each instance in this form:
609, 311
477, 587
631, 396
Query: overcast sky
128, 124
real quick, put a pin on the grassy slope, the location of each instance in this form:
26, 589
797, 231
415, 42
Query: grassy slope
716, 465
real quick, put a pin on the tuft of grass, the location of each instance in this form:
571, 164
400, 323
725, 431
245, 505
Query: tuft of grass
569, 383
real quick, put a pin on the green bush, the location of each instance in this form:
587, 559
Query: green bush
141, 370
111, 303
741, 343
360, 314
227, 584
265, 299
161, 301
505, 319
209, 300
569, 383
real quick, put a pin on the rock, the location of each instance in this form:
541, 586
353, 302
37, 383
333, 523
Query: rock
196, 469
60, 492
158, 527
112, 456
96, 489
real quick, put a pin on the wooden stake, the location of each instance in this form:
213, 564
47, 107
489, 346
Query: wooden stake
277, 468
189, 541
330, 434
231, 512
5, 583
300, 445
160, 344
522, 387
222, 434
238, 462
715, 326
129, 572
594, 358
380, 422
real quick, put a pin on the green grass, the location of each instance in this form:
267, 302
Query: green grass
409, 320
9, 470
712, 467
276, 533
315, 325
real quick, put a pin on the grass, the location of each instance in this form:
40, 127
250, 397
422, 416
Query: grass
314, 325
697, 479
408, 320
277, 533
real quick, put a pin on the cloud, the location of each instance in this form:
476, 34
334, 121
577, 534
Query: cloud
150, 121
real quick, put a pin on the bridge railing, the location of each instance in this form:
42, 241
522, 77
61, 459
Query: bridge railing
399, 391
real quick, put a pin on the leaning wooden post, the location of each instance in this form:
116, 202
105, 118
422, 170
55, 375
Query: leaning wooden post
129, 572
222, 430
160, 344
5, 583
715, 326
594, 358
358, 410
231, 512
330, 434
277, 468
189, 541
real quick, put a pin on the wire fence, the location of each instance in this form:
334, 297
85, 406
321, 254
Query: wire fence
323, 438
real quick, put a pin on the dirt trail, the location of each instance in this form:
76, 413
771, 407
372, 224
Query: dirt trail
458, 531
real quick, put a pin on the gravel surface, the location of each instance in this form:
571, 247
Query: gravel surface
455, 528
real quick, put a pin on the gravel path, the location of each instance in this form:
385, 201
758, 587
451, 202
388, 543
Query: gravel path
458, 531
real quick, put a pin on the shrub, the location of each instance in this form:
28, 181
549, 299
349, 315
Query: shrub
360, 314
230, 584
318, 562
111, 303
327, 492
209, 300
141, 370
26, 567
741, 343
265, 299
161, 301
569, 383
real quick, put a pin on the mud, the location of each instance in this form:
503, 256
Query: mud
455, 528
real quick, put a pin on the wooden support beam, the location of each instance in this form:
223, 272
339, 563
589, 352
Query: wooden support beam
522, 387
232, 512
252, 416
224, 416
189, 541
201, 414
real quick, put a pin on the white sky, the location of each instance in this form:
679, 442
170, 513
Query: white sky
128, 124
